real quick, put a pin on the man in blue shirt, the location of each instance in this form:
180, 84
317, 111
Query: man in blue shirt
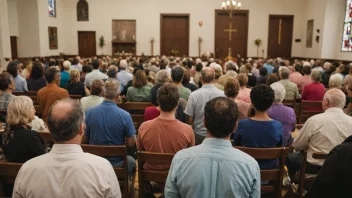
107, 124
269, 66
214, 168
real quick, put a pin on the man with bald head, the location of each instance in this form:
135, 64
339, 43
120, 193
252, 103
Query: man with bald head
322, 132
198, 99
67, 165
107, 124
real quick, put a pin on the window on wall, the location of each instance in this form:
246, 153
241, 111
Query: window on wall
347, 27
52, 8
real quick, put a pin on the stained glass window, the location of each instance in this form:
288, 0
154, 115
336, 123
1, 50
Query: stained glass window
52, 8
347, 37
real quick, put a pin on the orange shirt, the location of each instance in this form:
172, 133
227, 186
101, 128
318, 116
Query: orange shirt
164, 136
47, 96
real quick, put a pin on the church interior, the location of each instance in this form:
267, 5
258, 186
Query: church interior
187, 98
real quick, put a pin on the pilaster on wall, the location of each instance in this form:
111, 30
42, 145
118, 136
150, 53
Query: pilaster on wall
5, 46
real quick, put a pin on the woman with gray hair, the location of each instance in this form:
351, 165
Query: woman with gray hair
314, 91
162, 77
20, 142
283, 114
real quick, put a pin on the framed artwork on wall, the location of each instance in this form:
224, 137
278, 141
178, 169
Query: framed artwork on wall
346, 45
82, 10
53, 43
309, 36
52, 8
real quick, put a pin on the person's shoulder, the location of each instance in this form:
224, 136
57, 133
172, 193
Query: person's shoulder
244, 121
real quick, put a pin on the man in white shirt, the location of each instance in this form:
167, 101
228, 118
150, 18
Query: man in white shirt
96, 95
321, 133
66, 171
95, 74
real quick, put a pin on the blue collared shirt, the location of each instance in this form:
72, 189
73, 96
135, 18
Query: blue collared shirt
213, 169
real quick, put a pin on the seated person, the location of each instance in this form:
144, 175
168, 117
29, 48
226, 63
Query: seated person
244, 92
321, 133
74, 85
21, 84
283, 114
36, 80
260, 131
107, 124
139, 92
20, 143
214, 168
165, 134
290, 87
177, 76
96, 95
7, 87
67, 171
314, 91
232, 88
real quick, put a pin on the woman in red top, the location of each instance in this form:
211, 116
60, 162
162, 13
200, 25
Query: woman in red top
314, 91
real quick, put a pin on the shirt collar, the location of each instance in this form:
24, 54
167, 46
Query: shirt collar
52, 85
208, 86
217, 142
66, 148
108, 102
334, 110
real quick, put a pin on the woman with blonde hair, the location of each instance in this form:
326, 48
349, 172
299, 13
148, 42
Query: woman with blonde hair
140, 91
27, 70
75, 86
20, 142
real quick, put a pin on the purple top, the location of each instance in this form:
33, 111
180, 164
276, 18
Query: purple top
287, 117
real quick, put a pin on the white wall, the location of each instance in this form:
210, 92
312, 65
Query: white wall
5, 46
13, 19
147, 15
28, 42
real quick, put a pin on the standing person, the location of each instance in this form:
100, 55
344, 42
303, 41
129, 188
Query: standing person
214, 168
66, 164
196, 103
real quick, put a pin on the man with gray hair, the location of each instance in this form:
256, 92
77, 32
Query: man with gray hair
90, 175
107, 124
124, 76
322, 132
290, 87
231, 69
198, 99
161, 78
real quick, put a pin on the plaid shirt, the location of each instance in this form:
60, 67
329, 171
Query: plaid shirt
4, 100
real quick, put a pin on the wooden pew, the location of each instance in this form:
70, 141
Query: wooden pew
113, 151
136, 109
275, 175
305, 114
8, 173
151, 175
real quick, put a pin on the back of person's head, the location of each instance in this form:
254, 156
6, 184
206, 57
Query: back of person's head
168, 96
284, 73
307, 70
86, 69
243, 70
177, 74
111, 89
316, 75
335, 81
272, 78
262, 97
112, 73
19, 111
334, 98
242, 79
230, 66
74, 76
6, 81
50, 74
52, 62
67, 65
123, 64
12, 68
139, 79
186, 76
199, 67
66, 120
162, 77
207, 75
263, 71
298, 68
220, 117
95, 63
37, 70
97, 88
232, 88
279, 90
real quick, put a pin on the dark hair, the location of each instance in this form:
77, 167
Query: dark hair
86, 69
177, 74
298, 68
307, 70
186, 76
95, 64
220, 116
52, 62
112, 73
199, 67
96, 87
139, 79
66, 127
50, 74
168, 96
272, 78
37, 71
262, 97
5, 81
12, 68
263, 71
231, 87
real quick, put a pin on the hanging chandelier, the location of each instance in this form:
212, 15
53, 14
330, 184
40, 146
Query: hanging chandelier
231, 5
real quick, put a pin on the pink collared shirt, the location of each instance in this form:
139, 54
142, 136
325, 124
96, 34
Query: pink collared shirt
305, 80
295, 77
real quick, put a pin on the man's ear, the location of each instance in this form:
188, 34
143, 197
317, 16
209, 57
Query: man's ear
81, 129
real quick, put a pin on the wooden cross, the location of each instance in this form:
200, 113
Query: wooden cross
230, 31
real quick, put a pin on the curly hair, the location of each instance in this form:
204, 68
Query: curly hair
262, 97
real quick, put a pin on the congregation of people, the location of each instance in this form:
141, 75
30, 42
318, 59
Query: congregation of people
200, 109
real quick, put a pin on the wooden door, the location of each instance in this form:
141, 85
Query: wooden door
280, 36
86, 44
174, 34
231, 33
13, 40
